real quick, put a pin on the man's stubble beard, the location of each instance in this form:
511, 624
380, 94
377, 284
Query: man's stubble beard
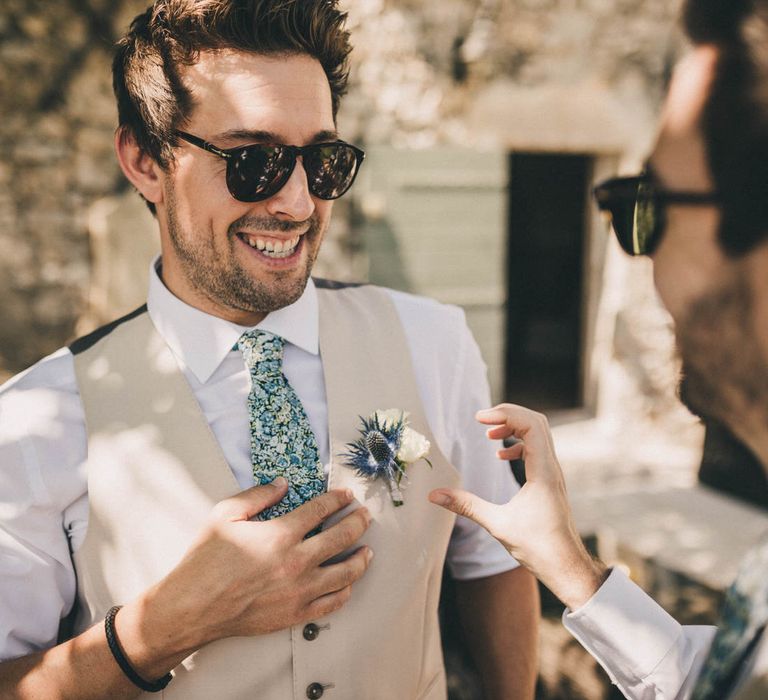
725, 376
224, 281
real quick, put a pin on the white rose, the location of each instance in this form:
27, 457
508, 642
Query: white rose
413, 447
390, 416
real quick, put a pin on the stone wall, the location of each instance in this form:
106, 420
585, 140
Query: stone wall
56, 123
425, 73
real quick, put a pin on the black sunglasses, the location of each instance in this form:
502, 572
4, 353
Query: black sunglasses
257, 171
637, 208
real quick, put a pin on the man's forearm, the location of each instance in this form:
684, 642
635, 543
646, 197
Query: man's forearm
500, 618
82, 668
233, 581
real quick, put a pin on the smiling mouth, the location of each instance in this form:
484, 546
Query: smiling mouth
271, 248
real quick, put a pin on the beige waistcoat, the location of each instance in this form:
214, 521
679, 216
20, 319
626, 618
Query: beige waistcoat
155, 470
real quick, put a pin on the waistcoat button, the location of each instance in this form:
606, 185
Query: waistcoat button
315, 691
311, 632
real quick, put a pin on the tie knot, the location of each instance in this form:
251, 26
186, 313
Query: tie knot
262, 351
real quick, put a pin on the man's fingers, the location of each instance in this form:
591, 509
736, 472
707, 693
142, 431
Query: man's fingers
312, 513
524, 424
341, 536
517, 420
250, 502
512, 452
334, 583
499, 432
338, 576
466, 504
324, 605
494, 416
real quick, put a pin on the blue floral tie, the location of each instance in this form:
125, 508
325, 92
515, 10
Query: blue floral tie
282, 441
742, 623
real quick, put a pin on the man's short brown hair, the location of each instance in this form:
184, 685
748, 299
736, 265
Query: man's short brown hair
152, 100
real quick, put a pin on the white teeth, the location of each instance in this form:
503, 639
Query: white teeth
273, 249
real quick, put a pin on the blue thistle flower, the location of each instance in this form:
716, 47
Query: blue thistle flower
374, 454
378, 447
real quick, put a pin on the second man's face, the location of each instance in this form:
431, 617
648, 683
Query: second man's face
688, 260
241, 260
711, 296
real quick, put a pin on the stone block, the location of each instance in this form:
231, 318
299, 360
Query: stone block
34, 150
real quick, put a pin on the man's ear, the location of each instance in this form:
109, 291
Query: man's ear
139, 167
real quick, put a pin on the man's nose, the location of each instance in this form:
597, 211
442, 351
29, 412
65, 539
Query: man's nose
293, 201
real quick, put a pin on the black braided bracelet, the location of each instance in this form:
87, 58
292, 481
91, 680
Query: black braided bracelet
123, 663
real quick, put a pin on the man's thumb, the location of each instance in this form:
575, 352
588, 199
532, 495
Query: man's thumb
252, 501
463, 503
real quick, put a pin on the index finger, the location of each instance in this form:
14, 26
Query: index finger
502, 413
312, 513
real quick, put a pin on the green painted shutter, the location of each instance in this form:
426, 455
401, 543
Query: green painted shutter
435, 224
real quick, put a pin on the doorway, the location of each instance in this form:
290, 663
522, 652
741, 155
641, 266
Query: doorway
545, 279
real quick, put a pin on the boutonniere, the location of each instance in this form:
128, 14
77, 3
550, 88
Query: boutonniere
386, 448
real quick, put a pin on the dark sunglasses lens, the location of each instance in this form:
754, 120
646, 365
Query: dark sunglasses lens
257, 172
331, 169
646, 220
632, 210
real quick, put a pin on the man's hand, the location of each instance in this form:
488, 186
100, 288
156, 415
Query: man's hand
245, 578
238, 578
536, 526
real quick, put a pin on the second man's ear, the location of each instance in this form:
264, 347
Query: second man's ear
139, 167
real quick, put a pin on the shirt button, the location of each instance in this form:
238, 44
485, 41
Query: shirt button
315, 691
311, 632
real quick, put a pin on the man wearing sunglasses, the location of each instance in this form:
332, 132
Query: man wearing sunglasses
129, 455
700, 210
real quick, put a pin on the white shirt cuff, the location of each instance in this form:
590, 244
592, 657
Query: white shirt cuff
645, 651
623, 628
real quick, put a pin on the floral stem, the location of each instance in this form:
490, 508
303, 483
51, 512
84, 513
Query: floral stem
395, 493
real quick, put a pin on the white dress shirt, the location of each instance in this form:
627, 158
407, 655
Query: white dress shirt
646, 653
43, 480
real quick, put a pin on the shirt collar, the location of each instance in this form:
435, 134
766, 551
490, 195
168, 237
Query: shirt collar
202, 341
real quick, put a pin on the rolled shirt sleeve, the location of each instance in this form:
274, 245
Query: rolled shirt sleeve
646, 653
41, 450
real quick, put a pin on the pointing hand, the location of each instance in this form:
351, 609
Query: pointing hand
536, 526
